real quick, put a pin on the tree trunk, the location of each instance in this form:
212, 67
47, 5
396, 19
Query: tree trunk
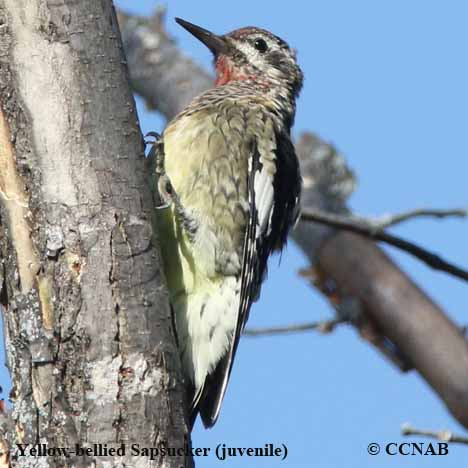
88, 331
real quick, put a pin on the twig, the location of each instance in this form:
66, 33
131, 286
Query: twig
322, 327
445, 436
350, 224
388, 220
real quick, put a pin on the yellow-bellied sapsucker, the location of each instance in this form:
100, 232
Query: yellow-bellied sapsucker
231, 180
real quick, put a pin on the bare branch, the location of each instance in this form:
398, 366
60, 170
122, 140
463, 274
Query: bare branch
159, 71
388, 220
350, 224
324, 327
444, 435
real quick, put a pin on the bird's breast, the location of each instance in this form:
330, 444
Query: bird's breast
206, 157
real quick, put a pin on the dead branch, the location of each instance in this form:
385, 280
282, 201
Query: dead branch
323, 327
444, 435
366, 229
387, 220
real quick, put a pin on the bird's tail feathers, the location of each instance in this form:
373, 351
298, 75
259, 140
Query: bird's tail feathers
206, 325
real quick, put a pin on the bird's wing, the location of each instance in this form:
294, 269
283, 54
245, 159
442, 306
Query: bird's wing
258, 244
274, 198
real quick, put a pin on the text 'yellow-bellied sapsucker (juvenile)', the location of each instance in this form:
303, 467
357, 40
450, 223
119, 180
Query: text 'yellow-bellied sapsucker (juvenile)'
230, 177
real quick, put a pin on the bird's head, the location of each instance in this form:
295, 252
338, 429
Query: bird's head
252, 54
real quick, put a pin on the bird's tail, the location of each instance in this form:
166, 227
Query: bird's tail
205, 322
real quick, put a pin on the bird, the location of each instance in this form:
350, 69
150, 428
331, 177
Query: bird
229, 183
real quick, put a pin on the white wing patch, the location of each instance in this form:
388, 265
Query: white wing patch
261, 195
264, 198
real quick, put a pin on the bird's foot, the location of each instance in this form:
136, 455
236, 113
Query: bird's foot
164, 185
166, 192
156, 151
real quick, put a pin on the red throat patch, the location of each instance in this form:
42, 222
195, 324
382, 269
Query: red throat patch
225, 71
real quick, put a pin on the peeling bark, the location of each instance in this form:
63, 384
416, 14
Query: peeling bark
15, 202
88, 331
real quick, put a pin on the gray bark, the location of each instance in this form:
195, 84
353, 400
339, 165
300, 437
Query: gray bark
88, 330
393, 311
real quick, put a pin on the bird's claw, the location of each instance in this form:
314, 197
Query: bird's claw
164, 184
155, 135
166, 192
169, 198
156, 151
162, 206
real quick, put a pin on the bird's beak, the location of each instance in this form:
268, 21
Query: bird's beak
217, 44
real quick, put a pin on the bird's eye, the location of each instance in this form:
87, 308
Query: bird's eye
260, 45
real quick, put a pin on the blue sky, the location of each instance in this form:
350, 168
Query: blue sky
386, 83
